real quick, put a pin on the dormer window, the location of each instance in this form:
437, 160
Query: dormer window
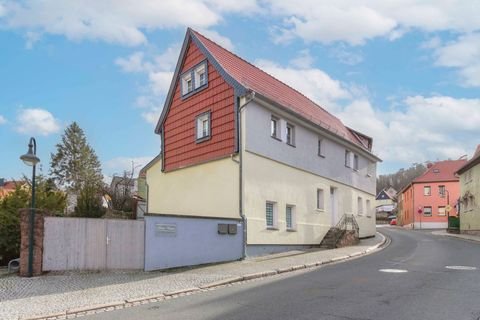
194, 79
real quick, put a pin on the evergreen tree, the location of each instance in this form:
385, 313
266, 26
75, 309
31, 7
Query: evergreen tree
75, 163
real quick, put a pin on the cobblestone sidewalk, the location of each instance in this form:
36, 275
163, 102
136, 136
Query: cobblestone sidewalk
62, 293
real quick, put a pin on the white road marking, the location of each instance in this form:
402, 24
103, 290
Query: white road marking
393, 270
461, 268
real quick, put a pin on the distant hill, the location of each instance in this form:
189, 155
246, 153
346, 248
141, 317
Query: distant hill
401, 178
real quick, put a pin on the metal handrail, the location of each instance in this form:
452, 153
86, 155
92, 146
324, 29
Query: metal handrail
347, 222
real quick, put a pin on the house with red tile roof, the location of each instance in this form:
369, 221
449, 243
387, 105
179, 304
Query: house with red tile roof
248, 165
429, 199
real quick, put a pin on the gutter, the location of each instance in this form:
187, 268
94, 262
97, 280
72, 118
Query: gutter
249, 97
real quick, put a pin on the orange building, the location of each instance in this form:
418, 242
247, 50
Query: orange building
429, 199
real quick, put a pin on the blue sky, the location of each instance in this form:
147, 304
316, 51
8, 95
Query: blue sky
406, 73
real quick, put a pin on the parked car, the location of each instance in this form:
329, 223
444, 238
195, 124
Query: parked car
393, 222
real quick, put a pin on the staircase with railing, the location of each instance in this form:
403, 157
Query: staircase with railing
345, 232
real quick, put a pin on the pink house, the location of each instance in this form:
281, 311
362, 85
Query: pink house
429, 199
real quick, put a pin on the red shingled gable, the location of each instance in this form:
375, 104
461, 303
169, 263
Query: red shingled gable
446, 171
261, 82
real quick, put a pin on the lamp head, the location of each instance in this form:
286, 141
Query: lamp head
30, 158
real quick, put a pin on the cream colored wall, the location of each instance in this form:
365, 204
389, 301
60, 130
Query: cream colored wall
205, 190
268, 180
470, 219
383, 202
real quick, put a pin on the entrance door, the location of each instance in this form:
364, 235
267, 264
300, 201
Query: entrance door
334, 205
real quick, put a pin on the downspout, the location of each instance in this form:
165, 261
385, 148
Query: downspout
249, 97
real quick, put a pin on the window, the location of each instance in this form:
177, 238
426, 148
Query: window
441, 191
441, 211
187, 83
290, 134
320, 148
290, 217
371, 169
320, 199
203, 126
355, 162
427, 191
200, 76
347, 159
368, 208
274, 127
427, 211
270, 214
194, 79
359, 205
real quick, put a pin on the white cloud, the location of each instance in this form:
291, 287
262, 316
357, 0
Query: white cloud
312, 82
420, 129
345, 56
218, 38
356, 22
116, 21
463, 54
36, 121
2, 120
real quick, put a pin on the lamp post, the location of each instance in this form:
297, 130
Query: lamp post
31, 159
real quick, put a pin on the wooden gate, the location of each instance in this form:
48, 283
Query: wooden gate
93, 244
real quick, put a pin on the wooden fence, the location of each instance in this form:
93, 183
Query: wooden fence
93, 244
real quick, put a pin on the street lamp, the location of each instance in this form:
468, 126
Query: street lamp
31, 159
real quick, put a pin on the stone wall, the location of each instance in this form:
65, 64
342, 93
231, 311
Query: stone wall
37, 240
349, 238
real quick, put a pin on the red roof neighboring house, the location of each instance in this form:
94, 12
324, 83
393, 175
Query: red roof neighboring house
472, 162
247, 77
8, 187
442, 171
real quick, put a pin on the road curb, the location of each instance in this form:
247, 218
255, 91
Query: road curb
82, 311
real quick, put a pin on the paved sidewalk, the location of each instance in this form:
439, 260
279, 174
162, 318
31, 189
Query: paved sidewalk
455, 235
72, 294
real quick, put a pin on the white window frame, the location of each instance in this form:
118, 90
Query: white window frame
320, 147
440, 213
348, 160
290, 139
275, 127
440, 189
320, 199
200, 120
425, 193
359, 206
293, 225
424, 211
185, 79
274, 224
355, 162
202, 68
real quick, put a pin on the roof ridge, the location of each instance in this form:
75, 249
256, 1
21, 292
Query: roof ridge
275, 78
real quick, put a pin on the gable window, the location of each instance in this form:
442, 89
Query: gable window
187, 83
274, 127
203, 126
270, 214
441, 191
200, 76
290, 134
427, 211
427, 191
347, 158
290, 217
194, 79
320, 148
320, 199
355, 162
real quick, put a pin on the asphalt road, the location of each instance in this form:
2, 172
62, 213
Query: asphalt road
350, 290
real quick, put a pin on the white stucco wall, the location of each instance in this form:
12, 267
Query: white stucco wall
267, 180
205, 190
304, 155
